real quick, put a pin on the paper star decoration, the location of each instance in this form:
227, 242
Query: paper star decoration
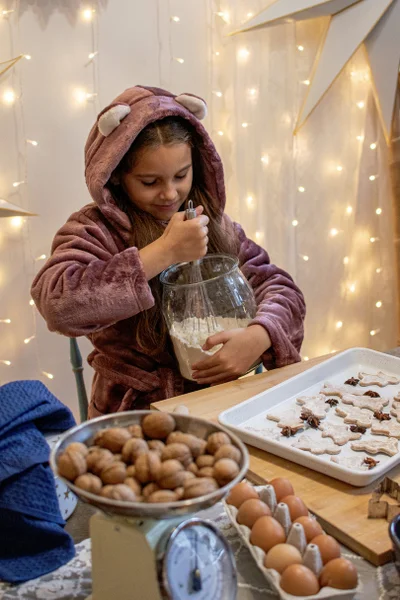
350, 23
11, 210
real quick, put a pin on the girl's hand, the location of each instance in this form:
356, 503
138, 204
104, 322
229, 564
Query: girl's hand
241, 349
185, 241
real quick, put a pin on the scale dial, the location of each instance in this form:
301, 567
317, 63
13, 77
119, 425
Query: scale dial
197, 564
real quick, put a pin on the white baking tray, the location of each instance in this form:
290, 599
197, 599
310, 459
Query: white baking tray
252, 413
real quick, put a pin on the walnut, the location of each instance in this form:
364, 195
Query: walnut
119, 492
148, 467
156, 445
206, 472
158, 425
171, 474
188, 475
149, 489
228, 451
135, 431
89, 482
133, 448
131, 471
134, 485
113, 439
205, 460
71, 464
225, 470
216, 440
79, 447
179, 492
193, 488
163, 496
193, 468
179, 451
114, 472
197, 445
98, 459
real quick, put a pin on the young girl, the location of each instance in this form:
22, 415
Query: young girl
146, 156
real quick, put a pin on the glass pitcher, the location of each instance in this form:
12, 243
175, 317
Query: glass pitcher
198, 302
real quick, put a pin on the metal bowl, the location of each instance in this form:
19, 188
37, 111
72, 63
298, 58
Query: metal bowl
166, 510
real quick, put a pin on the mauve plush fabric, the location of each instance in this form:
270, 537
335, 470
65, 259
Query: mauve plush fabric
93, 284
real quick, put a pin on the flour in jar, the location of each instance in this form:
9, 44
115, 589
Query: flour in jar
188, 337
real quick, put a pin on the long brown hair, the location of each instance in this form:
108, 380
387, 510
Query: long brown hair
150, 329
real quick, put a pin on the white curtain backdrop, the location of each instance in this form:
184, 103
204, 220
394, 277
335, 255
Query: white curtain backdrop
314, 201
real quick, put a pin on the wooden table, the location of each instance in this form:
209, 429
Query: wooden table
340, 507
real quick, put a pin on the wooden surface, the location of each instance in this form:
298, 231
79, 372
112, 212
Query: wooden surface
341, 508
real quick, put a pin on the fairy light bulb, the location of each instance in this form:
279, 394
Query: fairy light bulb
300, 48
259, 235
87, 14
250, 201
372, 177
175, 19
81, 96
32, 142
305, 358
378, 211
374, 332
339, 324
245, 125
6, 362
378, 270
295, 222
243, 54
360, 138
92, 55
218, 94
48, 375
373, 240
333, 232
179, 60
29, 339
221, 133
27, 56
378, 304
31, 302
349, 210
339, 168
373, 146
301, 189
41, 257
7, 321
249, 15
16, 222
9, 97
17, 183
346, 260
265, 159
306, 82
252, 92
352, 287
360, 105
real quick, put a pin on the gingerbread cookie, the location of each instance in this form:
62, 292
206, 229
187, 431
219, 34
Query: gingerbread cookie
340, 434
350, 462
358, 416
289, 418
316, 446
365, 402
380, 378
389, 447
390, 429
313, 405
271, 434
329, 389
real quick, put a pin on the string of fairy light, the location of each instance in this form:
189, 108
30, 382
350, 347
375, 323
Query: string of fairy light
12, 97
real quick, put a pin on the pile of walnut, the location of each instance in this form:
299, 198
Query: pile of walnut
151, 462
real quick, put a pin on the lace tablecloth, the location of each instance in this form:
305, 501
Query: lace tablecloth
73, 580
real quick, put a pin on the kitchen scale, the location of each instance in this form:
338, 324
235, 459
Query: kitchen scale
143, 551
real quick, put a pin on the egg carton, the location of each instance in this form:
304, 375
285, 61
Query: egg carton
296, 537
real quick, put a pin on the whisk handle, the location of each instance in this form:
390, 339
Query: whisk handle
190, 212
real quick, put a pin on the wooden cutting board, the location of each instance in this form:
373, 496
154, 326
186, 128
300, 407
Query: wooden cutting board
340, 508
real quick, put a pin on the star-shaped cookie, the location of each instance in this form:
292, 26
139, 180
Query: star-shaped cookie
365, 402
289, 418
316, 446
330, 389
340, 434
388, 428
313, 405
358, 416
380, 378
389, 447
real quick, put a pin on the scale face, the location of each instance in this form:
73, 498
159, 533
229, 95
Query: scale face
196, 563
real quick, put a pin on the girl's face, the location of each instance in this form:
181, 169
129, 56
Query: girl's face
160, 180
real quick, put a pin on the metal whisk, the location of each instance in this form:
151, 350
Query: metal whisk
198, 301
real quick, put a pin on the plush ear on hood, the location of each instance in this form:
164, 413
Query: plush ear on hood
195, 105
112, 117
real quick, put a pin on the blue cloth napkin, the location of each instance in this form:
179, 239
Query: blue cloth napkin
32, 539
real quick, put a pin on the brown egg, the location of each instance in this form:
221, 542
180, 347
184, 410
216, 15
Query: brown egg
311, 527
267, 533
282, 556
282, 487
339, 573
240, 492
328, 547
299, 580
251, 510
296, 506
